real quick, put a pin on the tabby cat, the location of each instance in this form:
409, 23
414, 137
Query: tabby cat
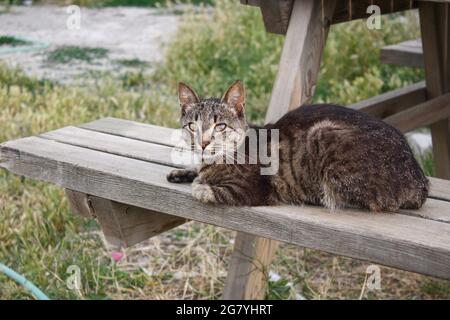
328, 155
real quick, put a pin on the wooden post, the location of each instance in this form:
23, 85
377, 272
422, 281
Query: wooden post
435, 27
123, 225
294, 85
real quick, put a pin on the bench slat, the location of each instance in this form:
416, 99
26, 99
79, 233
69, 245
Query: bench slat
439, 188
132, 148
396, 240
407, 53
131, 129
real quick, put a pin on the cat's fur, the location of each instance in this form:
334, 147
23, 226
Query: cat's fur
328, 155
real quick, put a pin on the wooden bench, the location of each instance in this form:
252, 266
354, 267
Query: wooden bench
115, 169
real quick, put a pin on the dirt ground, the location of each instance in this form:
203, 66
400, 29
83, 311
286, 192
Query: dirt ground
127, 33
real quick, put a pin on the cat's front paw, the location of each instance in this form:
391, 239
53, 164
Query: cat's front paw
203, 193
181, 175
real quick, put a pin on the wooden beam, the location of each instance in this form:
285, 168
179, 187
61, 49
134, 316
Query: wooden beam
247, 274
435, 27
421, 115
391, 102
348, 10
300, 59
247, 277
123, 225
79, 203
276, 14
408, 53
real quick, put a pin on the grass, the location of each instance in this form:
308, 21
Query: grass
41, 239
12, 41
132, 63
68, 54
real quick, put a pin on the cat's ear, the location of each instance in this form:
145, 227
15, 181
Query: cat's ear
235, 96
186, 95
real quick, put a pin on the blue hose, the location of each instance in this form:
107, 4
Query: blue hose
24, 282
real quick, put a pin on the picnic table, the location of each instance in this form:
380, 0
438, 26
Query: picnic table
115, 169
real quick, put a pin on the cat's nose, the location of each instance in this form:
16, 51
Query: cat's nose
205, 144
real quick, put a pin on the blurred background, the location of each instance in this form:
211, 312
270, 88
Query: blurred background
125, 61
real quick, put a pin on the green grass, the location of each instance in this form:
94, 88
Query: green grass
67, 54
41, 239
132, 63
12, 41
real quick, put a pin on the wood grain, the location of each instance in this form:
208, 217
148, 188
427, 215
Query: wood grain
392, 102
408, 53
397, 240
124, 225
422, 115
300, 58
276, 14
131, 148
79, 203
439, 189
435, 29
126, 128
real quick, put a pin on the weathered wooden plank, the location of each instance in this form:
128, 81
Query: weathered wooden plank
300, 59
408, 53
401, 241
392, 102
436, 210
421, 115
79, 203
133, 148
435, 29
276, 14
136, 130
439, 188
124, 225
248, 271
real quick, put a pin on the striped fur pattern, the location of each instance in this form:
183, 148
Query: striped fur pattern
329, 155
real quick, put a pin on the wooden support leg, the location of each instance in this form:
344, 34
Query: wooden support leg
435, 27
122, 225
294, 86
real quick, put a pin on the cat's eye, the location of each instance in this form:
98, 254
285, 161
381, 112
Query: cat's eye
220, 127
192, 126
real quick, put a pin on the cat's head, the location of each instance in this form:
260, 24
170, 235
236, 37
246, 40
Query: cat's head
213, 127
